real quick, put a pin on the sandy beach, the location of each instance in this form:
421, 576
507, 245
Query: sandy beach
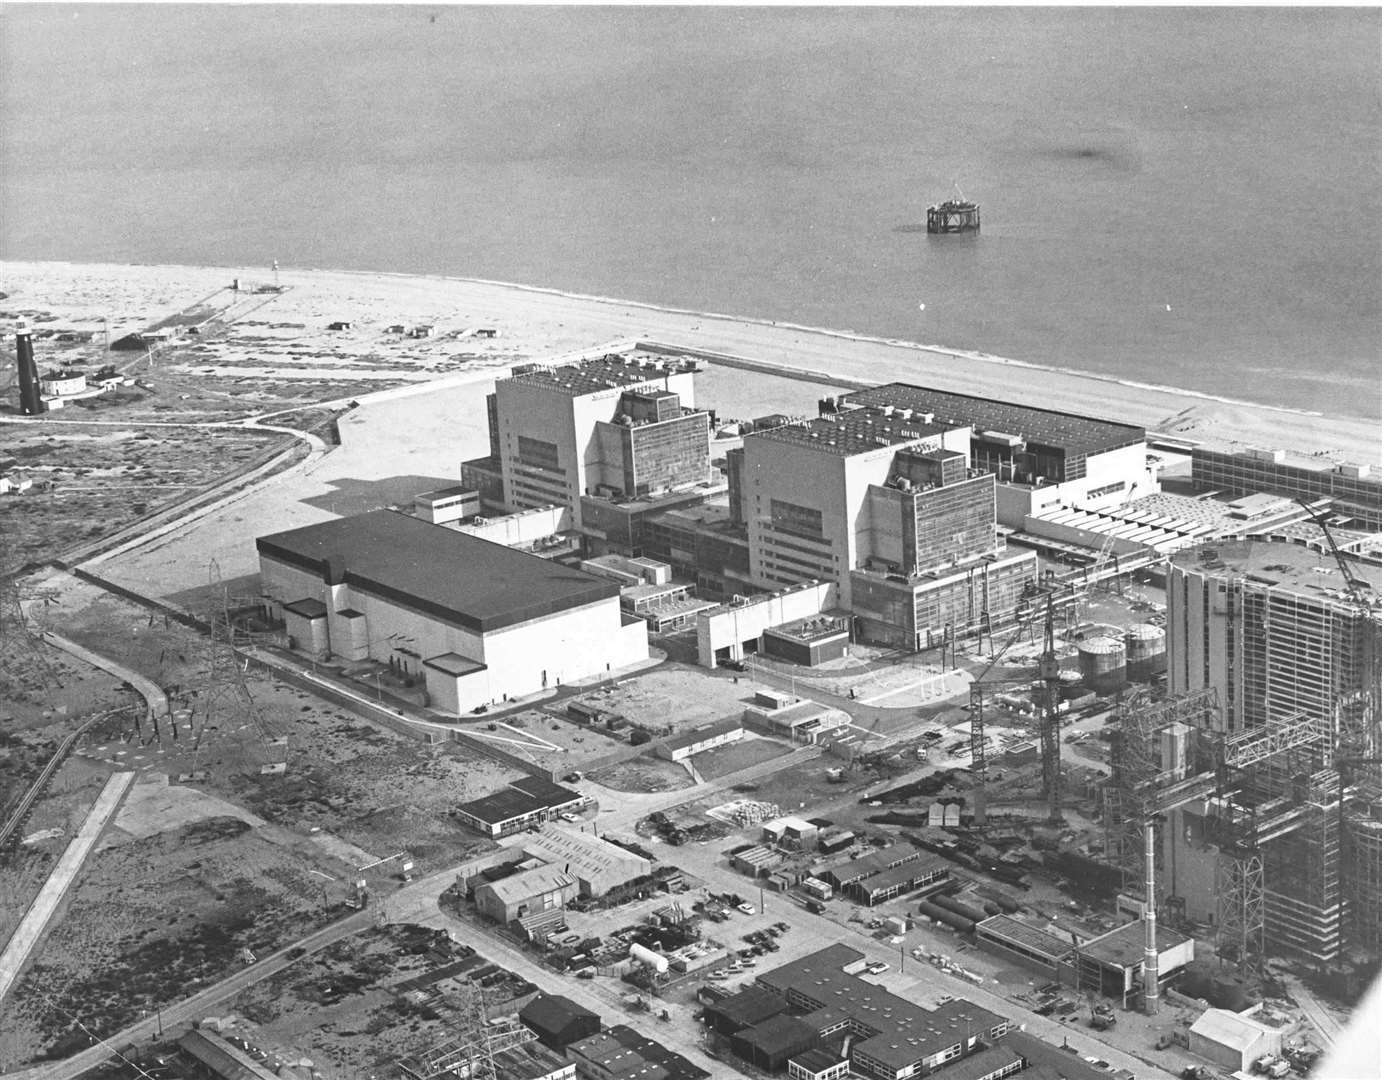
534, 323
413, 436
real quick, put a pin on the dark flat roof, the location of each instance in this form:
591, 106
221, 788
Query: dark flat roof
982, 1064
750, 1006
552, 1012
308, 608
454, 664
708, 731
780, 1034
461, 579
1123, 946
816, 1060
906, 1032
1073, 433
521, 797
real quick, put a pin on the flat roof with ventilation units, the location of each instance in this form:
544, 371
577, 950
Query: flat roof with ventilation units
1074, 434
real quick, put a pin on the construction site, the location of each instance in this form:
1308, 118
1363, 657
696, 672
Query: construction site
1109, 770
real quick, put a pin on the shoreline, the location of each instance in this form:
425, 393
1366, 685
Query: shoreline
540, 322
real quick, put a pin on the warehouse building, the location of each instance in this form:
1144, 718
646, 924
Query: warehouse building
842, 875
597, 865
558, 1021
481, 622
530, 892
928, 870
526, 802
893, 1038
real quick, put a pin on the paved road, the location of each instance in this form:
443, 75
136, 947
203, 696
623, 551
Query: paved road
69, 865
150, 691
200, 1004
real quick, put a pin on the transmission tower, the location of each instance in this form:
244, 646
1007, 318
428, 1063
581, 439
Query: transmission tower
23, 654
225, 695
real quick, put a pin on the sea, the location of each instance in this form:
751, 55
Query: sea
1184, 196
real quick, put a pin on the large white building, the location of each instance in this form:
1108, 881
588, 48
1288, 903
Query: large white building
620, 425
479, 621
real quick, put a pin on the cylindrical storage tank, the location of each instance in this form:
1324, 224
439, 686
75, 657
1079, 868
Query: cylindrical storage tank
1103, 663
1071, 685
947, 918
1145, 648
1007, 903
991, 908
964, 910
648, 958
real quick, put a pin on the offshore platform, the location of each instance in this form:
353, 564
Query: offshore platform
956, 215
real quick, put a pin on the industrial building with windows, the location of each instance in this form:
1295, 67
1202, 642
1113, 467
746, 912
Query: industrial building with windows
883, 1035
526, 802
1040, 458
612, 425
881, 503
481, 623
1289, 646
1353, 490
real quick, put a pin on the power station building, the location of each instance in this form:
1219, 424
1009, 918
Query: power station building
618, 426
1269, 625
1274, 629
480, 622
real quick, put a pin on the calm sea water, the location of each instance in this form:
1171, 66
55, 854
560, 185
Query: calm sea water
1224, 163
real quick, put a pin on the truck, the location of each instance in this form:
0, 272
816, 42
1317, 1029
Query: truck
1102, 1016
815, 907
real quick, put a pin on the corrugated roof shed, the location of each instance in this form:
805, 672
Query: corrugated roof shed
700, 734
541, 879
599, 864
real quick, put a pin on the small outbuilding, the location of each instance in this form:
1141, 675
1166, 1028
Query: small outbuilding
1231, 1040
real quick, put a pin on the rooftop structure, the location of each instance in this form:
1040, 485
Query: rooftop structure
604, 372
855, 432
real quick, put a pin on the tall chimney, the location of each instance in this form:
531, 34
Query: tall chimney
30, 404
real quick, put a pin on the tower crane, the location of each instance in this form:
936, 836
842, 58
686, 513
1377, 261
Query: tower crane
1048, 673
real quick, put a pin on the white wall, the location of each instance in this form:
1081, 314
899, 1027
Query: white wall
730, 626
569, 645
524, 527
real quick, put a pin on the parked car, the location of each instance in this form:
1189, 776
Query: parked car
877, 967
748, 909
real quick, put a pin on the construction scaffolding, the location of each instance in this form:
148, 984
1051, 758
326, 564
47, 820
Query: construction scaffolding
470, 1054
1152, 740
